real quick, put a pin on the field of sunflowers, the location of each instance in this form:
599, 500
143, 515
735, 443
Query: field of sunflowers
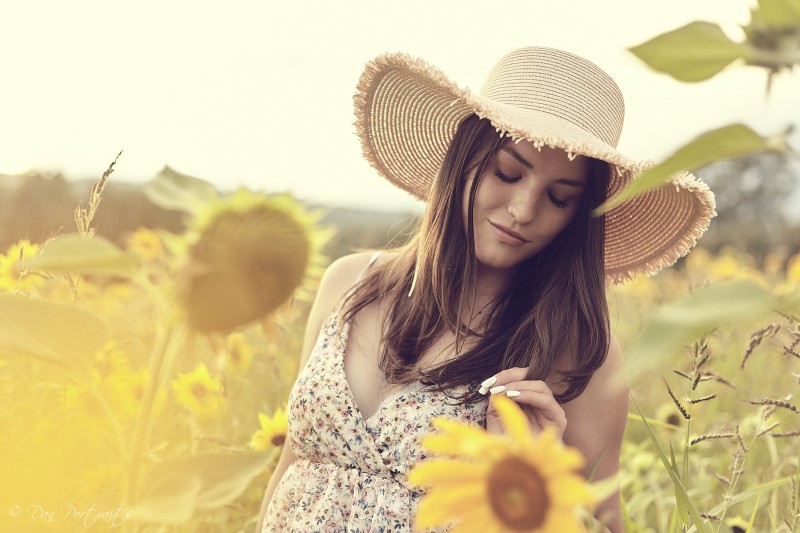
143, 387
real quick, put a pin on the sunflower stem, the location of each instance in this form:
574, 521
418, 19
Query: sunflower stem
160, 362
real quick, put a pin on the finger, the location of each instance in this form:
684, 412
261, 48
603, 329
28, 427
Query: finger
501, 378
543, 404
533, 385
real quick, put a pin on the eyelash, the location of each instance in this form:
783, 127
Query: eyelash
561, 204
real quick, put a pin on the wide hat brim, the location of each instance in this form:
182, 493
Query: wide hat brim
407, 112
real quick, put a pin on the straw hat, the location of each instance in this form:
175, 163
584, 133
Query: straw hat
407, 112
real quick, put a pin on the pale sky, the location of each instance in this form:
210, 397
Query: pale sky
259, 93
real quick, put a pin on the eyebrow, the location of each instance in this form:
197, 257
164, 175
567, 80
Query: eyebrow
527, 163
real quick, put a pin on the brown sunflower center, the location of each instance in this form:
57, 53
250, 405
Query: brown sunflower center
199, 391
278, 439
518, 494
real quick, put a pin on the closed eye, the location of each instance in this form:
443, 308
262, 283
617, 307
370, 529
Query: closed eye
505, 179
561, 204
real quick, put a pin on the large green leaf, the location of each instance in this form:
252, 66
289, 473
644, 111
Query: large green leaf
179, 192
52, 332
728, 142
221, 477
694, 52
672, 326
77, 254
777, 13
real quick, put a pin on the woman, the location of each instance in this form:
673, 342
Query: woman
502, 291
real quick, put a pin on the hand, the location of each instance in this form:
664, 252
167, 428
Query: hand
534, 396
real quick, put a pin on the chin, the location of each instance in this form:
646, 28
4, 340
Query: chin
502, 263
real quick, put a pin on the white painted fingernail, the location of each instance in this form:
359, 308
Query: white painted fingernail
489, 382
483, 390
498, 389
512, 393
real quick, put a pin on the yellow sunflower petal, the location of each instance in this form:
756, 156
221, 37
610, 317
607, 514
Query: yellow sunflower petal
441, 506
457, 438
555, 461
478, 520
567, 491
514, 420
446, 472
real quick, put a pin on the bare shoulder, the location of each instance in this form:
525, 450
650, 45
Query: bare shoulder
338, 278
596, 419
608, 381
341, 275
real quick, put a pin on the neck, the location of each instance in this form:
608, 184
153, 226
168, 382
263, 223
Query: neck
490, 283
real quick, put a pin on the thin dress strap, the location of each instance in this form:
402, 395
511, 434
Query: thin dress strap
372, 259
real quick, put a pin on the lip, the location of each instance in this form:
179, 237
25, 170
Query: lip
508, 235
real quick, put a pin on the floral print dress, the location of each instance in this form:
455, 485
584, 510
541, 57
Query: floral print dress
350, 473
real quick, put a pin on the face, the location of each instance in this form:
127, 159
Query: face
525, 198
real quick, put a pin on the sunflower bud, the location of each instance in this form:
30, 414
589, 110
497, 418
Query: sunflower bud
250, 255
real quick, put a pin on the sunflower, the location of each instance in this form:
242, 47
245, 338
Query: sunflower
199, 392
503, 483
273, 430
146, 243
737, 524
248, 255
239, 353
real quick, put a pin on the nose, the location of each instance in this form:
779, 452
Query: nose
525, 204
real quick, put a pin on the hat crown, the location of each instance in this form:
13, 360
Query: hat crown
560, 84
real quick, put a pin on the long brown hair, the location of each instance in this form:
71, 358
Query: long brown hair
554, 307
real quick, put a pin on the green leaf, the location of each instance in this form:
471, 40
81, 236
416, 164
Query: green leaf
777, 13
76, 254
694, 52
746, 494
671, 326
55, 333
728, 142
222, 478
179, 192
682, 498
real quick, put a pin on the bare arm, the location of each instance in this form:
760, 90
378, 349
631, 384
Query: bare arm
596, 427
338, 278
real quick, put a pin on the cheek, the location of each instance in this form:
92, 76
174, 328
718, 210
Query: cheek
561, 222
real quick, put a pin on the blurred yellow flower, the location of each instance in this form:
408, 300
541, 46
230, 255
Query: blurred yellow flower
238, 353
669, 415
737, 524
698, 260
11, 277
146, 243
125, 391
110, 359
500, 483
199, 392
793, 269
273, 430
641, 286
